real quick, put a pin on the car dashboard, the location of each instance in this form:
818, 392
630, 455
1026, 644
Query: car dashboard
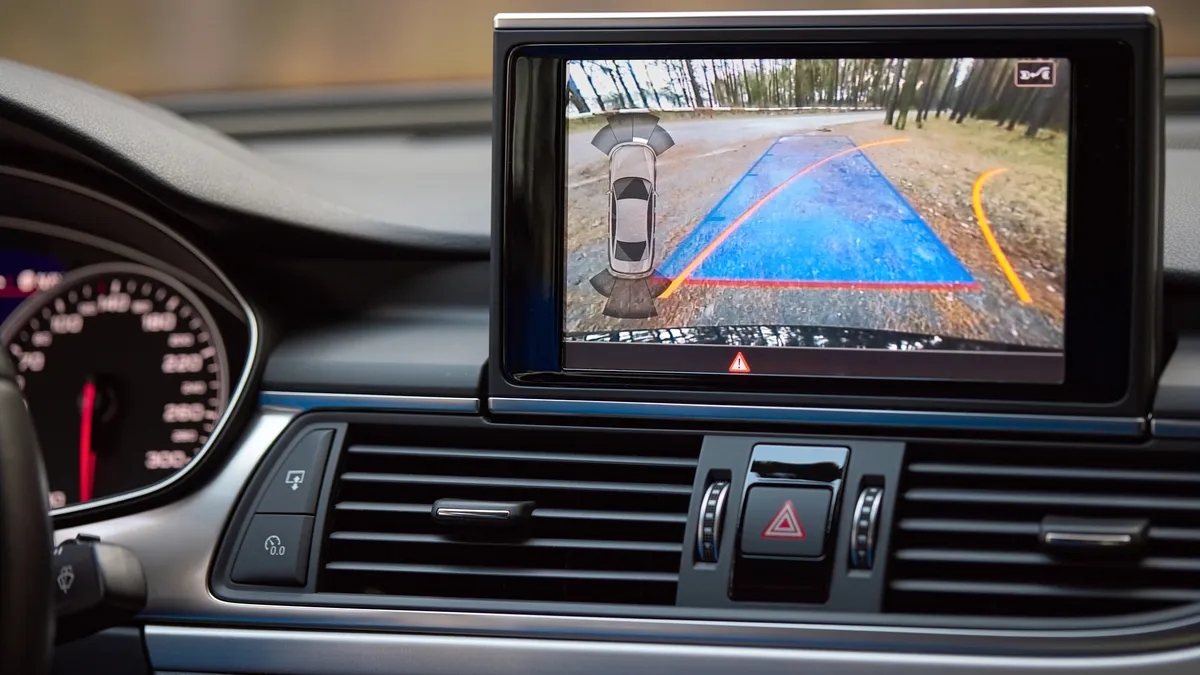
326, 370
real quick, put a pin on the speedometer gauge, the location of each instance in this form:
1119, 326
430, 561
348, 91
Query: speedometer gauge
125, 375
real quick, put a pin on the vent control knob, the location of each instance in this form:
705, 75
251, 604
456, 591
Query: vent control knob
712, 522
865, 530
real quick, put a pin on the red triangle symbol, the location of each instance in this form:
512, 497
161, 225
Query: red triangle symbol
785, 524
739, 364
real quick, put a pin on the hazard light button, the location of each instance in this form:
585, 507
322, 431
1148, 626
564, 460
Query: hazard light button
785, 521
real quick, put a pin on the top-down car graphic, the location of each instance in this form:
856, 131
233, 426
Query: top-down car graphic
631, 175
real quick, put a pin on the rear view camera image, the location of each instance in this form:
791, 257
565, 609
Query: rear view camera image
884, 203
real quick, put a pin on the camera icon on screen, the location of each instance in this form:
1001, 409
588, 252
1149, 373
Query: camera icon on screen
1034, 73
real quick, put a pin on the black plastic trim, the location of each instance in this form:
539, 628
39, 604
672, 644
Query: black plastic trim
898, 419
116, 651
855, 594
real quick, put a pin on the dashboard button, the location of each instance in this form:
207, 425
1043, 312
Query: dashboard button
786, 521
297, 480
274, 551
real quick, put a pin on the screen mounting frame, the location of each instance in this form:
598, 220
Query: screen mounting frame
1113, 285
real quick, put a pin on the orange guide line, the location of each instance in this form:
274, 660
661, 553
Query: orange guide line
977, 204
720, 238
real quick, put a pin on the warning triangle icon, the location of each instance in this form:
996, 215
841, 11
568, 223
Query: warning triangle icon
739, 364
785, 524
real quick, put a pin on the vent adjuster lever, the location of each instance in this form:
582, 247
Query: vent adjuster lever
480, 513
1063, 535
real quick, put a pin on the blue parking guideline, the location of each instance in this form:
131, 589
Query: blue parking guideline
843, 223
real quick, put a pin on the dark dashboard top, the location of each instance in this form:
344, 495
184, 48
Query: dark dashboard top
163, 151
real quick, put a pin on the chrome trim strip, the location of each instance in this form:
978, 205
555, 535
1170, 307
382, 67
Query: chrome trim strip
303, 401
854, 530
473, 514
1079, 538
1055, 424
1175, 428
708, 491
176, 544
252, 327
177, 648
873, 527
804, 18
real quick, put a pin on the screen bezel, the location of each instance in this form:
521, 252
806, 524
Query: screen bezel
1111, 276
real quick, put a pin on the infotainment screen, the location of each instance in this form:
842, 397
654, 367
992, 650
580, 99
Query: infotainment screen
882, 217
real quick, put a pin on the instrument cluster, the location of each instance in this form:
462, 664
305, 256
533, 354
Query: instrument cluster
126, 363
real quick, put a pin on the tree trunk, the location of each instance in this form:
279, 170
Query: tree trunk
979, 81
797, 84
894, 91
619, 81
638, 85
685, 84
695, 84
575, 96
967, 90
733, 83
1023, 108
912, 76
1011, 104
944, 101
1003, 81
776, 90
927, 96
833, 83
592, 83
1049, 101
747, 86
709, 92
873, 94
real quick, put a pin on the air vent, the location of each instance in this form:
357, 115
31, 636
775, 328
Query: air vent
970, 522
607, 525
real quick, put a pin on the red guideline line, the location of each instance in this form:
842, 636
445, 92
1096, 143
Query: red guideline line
87, 459
841, 285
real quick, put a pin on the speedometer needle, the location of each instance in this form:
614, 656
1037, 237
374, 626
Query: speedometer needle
87, 458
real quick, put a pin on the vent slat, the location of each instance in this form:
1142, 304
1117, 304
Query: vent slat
605, 575
663, 547
968, 526
565, 514
634, 516
610, 510
1045, 590
986, 557
1185, 534
946, 525
481, 481
1053, 473
520, 456
1099, 501
383, 507
966, 535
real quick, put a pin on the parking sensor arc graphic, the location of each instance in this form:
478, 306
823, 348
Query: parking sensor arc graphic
633, 127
